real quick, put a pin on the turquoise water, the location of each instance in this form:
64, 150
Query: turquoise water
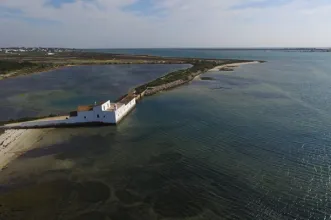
249, 144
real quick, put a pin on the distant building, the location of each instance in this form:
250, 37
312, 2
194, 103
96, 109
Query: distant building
50, 54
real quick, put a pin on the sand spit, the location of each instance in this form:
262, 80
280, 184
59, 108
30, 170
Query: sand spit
226, 67
13, 143
231, 66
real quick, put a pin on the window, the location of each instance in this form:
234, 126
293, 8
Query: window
85, 117
98, 116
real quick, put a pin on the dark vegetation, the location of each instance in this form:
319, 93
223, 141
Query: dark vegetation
68, 57
8, 66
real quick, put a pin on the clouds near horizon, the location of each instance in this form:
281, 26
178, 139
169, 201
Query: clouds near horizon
165, 23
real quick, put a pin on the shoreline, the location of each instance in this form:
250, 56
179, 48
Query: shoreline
231, 66
15, 142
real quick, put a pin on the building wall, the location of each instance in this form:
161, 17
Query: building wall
124, 110
97, 115
105, 106
82, 117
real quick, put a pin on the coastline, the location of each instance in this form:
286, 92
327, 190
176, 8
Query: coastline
232, 66
24, 73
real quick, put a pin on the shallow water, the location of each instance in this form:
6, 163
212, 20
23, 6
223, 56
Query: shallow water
250, 144
62, 90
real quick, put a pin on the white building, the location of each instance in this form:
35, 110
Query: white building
108, 113
105, 113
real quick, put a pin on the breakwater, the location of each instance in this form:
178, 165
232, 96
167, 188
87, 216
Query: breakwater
153, 90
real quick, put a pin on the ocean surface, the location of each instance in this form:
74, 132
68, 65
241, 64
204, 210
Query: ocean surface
250, 144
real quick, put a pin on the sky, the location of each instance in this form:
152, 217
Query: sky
165, 23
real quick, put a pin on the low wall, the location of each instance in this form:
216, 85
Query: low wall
156, 89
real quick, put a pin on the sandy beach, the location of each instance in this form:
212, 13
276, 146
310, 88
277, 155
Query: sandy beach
13, 143
233, 65
230, 66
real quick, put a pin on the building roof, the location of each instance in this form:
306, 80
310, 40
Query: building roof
84, 108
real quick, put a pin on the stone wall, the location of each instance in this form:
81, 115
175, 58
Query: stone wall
156, 89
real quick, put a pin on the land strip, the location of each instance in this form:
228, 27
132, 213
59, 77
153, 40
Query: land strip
180, 77
12, 65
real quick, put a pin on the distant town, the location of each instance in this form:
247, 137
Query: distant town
52, 51
45, 50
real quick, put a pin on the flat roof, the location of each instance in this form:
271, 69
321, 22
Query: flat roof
84, 108
127, 99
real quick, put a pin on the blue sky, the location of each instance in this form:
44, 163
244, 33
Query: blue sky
165, 23
143, 7
58, 3
261, 4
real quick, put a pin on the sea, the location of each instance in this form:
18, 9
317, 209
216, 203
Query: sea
249, 144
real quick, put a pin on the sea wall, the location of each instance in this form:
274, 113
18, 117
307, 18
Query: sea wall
156, 89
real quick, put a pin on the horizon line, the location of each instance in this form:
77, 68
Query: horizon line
132, 48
